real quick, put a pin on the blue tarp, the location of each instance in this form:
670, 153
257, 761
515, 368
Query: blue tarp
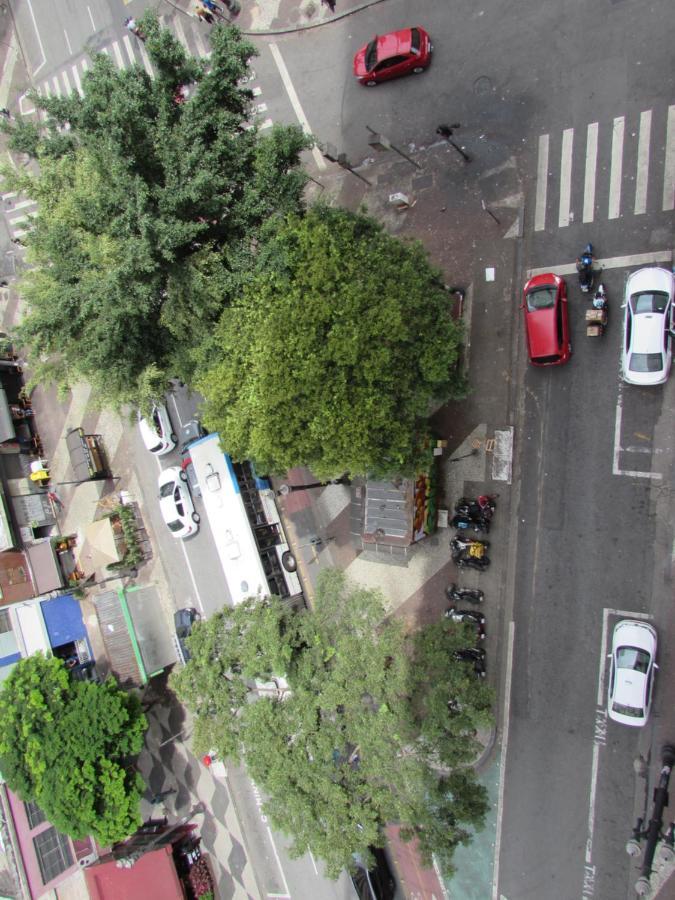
63, 619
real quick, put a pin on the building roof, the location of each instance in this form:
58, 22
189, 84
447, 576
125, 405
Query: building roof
152, 876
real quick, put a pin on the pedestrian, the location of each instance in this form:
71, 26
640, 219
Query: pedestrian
56, 500
161, 795
134, 29
202, 13
211, 7
330, 4
5, 112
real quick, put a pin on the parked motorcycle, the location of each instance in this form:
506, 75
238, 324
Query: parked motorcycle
463, 561
461, 595
480, 509
466, 523
596, 318
585, 269
474, 655
468, 617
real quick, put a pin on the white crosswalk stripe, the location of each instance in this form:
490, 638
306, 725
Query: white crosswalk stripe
633, 145
78, 82
119, 59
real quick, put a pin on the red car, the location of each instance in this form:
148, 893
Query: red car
546, 325
390, 55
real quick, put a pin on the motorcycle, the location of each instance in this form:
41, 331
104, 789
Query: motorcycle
585, 269
468, 617
482, 508
596, 318
470, 562
466, 523
472, 545
475, 655
460, 595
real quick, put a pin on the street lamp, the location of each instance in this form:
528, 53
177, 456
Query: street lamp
652, 833
472, 452
285, 489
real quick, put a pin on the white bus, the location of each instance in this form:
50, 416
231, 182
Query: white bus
246, 526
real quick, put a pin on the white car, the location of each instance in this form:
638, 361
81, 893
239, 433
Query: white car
647, 338
175, 503
157, 431
631, 673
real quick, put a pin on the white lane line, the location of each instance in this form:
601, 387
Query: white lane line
91, 19
129, 48
591, 166
616, 468
542, 184
85, 65
119, 59
591, 805
39, 40
180, 33
202, 49
78, 83
565, 178
610, 262
281, 871
192, 578
615, 168
146, 60
502, 761
669, 170
642, 174
70, 49
295, 102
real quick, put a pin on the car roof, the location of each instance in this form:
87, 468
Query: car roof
629, 633
647, 334
650, 279
393, 43
542, 332
630, 688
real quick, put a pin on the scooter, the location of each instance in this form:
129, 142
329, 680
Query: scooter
585, 269
596, 318
466, 523
475, 655
460, 595
472, 545
463, 561
482, 507
468, 617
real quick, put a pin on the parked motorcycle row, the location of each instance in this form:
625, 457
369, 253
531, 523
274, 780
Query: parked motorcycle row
596, 317
470, 553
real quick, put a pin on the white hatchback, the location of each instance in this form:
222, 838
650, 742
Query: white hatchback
631, 673
647, 336
175, 503
157, 431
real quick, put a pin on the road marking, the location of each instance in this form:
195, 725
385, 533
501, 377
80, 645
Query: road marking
78, 83
669, 170
591, 805
542, 183
39, 40
616, 468
502, 761
57, 86
610, 262
66, 81
295, 102
591, 166
129, 48
70, 49
202, 49
180, 33
146, 60
615, 168
91, 19
642, 174
565, 178
117, 50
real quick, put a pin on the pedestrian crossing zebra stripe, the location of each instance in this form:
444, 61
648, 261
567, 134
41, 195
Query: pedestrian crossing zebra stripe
619, 174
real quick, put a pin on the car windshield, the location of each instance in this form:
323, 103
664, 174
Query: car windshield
636, 711
632, 658
645, 362
371, 55
541, 298
415, 41
649, 302
176, 525
166, 490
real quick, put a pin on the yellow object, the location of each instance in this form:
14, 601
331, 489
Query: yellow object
39, 475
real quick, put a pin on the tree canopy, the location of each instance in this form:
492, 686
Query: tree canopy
149, 204
334, 350
363, 736
69, 746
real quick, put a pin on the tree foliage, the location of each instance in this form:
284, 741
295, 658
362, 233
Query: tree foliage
69, 746
335, 349
148, 210
362, 738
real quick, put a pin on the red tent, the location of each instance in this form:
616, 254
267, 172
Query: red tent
152, 877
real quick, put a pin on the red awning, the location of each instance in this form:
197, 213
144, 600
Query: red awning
152, 877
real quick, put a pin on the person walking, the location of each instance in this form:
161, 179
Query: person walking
211, 7
202, 13
160, 796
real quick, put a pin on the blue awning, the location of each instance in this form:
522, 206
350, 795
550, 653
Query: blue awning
63, 620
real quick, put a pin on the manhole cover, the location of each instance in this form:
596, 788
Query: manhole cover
483, 85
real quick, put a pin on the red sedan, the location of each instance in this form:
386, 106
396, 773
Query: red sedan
394, 54
546, 324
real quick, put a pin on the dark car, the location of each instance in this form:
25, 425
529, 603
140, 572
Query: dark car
183, 620
546, 324
376, 883
394, 54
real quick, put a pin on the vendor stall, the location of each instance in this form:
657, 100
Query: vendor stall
87, 456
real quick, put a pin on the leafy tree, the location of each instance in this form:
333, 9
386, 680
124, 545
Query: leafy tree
149, 205
68, 744
334, 351
347, 748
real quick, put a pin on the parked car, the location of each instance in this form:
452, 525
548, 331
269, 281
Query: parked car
631, 672
546, 323
183, 620
157, 432
392, 55
376, 883
647, 328
176, 504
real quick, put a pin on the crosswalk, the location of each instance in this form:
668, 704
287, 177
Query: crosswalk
640, 177
124, 52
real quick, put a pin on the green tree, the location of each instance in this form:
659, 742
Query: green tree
69, 746
148, 212
334, 352
346, 749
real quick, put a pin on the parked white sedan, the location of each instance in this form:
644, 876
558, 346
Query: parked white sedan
631, 673
175, 503
157, 431
647, 337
